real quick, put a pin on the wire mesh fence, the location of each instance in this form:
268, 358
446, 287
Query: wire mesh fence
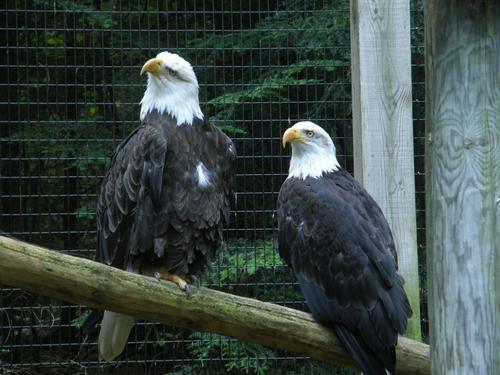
70, 93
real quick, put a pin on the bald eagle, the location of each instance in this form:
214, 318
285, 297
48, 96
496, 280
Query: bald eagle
339, 245
166, 194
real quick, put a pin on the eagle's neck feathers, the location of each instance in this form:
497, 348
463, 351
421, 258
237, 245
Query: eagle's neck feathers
312, 161
179, 101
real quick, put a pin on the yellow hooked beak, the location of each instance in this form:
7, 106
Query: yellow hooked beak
152, 66
292, 135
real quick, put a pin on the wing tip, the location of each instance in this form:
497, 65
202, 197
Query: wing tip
368, 361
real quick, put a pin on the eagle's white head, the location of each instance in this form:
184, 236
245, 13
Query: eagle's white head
313, 151
172, 88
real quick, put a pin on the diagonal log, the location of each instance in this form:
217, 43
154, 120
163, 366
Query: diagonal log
82, 281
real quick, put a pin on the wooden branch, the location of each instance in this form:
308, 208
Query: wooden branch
83, 281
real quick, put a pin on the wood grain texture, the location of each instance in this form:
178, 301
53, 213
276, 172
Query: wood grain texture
462, 179
83, 281
383, 127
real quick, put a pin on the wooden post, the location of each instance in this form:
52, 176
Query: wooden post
383, 128
96, 285
462, 182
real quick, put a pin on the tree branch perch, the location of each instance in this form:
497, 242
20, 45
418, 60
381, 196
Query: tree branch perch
86, 282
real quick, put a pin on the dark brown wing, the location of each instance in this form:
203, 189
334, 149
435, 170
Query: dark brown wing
340, 247
130, 196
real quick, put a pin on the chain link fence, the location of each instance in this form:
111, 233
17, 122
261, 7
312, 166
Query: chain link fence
70, 92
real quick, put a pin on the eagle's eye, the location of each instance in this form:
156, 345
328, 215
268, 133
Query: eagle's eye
310, 133
172, 72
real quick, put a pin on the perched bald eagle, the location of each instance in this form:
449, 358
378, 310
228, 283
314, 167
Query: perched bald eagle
340, 247
166, 194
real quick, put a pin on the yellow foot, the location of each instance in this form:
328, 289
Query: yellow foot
181, 281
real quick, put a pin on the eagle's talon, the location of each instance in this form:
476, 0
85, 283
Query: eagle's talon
180, 281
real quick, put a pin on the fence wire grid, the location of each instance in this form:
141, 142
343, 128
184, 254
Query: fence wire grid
70, 89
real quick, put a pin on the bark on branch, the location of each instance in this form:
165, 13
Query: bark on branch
83, 281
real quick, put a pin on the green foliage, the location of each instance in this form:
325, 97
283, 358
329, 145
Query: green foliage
242, 264
163, 338
240, 357
253, 269
92, 17
244, 358
79, 320
86, 212
308, 32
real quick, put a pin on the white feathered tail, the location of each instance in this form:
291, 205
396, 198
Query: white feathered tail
115, 329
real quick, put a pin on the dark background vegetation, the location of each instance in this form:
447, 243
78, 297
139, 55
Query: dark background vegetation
69, 93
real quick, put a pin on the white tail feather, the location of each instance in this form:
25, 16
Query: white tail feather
115, 329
